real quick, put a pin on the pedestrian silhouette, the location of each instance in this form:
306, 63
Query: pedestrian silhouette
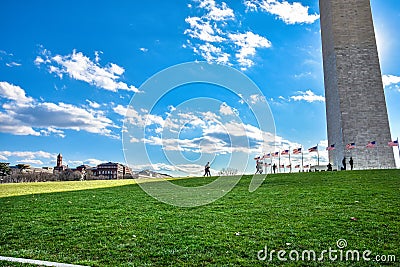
351, 163
329, 167
259, 168
344, 163
274, 167
207, 169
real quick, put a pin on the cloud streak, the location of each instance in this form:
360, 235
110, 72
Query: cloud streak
79, 67
211, 39
23, 115
294, 13
308, 96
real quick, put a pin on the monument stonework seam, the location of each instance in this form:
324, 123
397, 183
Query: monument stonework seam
355, 100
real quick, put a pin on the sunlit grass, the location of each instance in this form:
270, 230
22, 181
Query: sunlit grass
123, 226
19, 189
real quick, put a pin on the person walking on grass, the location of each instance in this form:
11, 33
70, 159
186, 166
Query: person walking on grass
259, 168
207, 169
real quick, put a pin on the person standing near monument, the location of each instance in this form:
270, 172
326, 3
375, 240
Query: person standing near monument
351, 162
344, 164
274, 167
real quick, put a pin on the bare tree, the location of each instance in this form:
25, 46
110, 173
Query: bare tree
4, 170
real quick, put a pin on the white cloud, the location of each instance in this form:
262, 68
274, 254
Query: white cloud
80, 67
28, 154
247, 43
254, 99
51, 130
143, 49
289, 13
202, 30
215, 43
212, 53
10, 125
31, 161
134, 140
389, 80
308, 96
121, 110
93, 162
28, 157
13, 64
215, 12
93, 104
13, 92
224, 109
212, 135
24, 115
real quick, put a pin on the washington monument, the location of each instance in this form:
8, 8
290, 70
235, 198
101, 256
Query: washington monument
355, 101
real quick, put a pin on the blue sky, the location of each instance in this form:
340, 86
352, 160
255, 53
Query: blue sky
69, 69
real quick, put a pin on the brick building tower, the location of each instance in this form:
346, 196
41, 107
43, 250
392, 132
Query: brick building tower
355, 101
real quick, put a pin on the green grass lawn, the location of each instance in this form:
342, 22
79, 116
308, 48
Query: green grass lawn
121, 225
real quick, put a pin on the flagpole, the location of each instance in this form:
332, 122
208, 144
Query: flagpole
271, 161
302, 163
290, 162
318, 155
279, 160
377, 155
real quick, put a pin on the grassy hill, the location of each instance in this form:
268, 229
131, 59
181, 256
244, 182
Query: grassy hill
123, 226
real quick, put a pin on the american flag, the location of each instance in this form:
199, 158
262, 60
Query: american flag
313, 149
331, 147
285, 152
297, 166
371, 144
394, 143
306, 166
257, 158
288, 166
282, 166
350, 146
267, 156
297, 151
276, 154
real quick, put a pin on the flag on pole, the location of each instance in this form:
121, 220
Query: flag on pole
306, 166
297, 151
313, 149
276, 154
350, 146
331, 147
267, 156
394, 143
371, 144
289, 166
282, 166
285, 152
257, 158
297, 166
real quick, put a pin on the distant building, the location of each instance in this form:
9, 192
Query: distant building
47, 169
60, 167
111, 170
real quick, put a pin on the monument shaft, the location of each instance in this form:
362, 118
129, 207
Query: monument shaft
355, 101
